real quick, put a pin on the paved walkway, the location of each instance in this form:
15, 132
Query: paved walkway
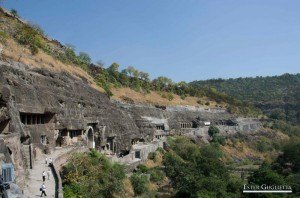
35, 179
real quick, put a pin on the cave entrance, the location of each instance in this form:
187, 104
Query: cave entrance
111, 146
4, 127
90, 137
36, 118
160, 127
44, 140
107, 146
138, 154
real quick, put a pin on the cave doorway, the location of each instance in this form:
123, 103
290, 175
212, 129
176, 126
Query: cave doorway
138, 154
90, 137
107, 147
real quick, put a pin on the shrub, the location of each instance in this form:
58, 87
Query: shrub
161, 150
108, 92
170, 96
14, 12
265, 175
263, 146
156, 175
142, 168
139, 183
194, 170
92, 175
219, 139
200, 102
34, 49
28, 36
183, 96
213, 130
152, 156
3, 36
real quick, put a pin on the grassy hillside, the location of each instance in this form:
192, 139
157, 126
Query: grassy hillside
27, 43
278, 96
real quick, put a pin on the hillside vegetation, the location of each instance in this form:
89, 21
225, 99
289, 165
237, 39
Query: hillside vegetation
278, 96
27, 43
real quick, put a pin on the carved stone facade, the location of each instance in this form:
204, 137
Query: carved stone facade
41, 110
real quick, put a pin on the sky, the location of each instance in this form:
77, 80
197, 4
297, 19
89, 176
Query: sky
180, 39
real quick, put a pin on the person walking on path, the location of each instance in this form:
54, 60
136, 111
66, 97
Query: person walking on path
46, 160
44, 176
43, 189
48, 173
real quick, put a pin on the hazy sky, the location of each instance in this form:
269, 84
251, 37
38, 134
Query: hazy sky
181, 39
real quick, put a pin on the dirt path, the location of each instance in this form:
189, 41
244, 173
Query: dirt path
35, 180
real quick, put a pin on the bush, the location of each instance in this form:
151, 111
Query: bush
142, 168
161, 150
156, 175
28, 36
183, 96
14, 12
219, 139
265, 175
213, 130
3, 36
139, 183
152, 156
92, 175
200, 102
108, 92
263, 146
196, 171
168, 96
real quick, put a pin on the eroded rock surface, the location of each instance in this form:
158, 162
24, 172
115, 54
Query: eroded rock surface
41, 110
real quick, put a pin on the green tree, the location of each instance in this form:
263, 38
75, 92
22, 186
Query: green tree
113, 71
265, 175
28, 36
162, 83
213, 130
130, 70
14, 12
92, 175
195, 171
84, 58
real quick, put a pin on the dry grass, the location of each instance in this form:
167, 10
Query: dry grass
244, 150
127, 191
241, 151
19, 53
152, 187
158, 162
155, 98
12, 50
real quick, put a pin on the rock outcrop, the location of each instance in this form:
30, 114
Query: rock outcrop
40, 110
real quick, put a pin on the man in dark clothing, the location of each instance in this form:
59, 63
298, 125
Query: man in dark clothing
44, 176
43, 189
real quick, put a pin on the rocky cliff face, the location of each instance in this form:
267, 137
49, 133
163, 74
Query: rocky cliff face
39, 107
40, 110
186, 120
